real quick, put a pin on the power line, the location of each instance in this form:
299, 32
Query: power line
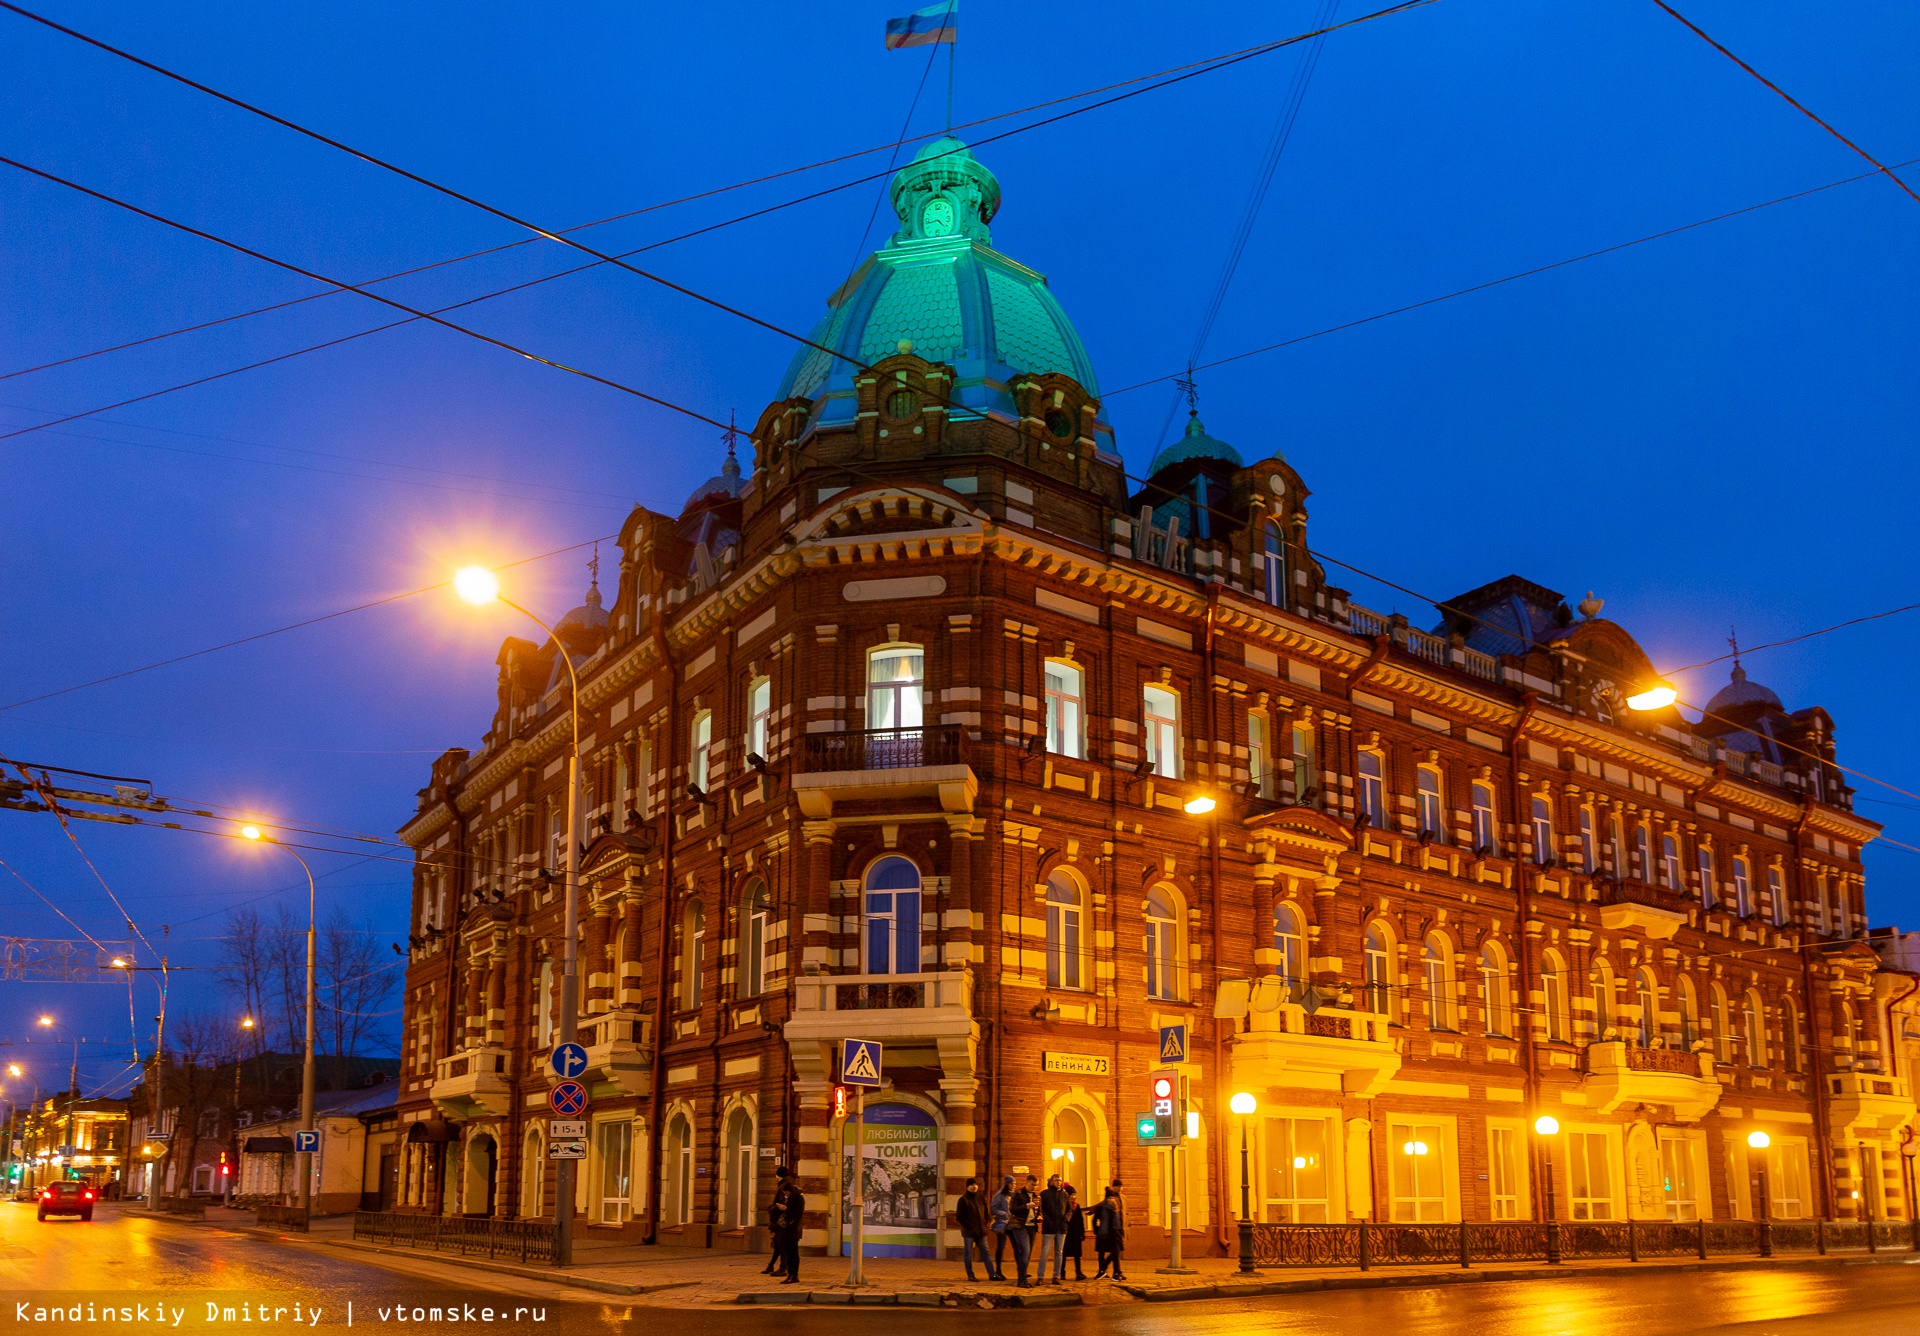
1794, 640
290, 267
282, 630
1789, 99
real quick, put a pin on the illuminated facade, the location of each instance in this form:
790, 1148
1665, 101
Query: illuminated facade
902, 732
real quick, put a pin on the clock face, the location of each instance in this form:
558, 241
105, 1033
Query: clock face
936, 219
1277, 483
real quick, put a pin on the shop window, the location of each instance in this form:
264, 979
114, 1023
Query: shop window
1295, 1191
1417, 1153
1070, 1151
1504, 1171
1677, 1179
613, 1148
1589, 1176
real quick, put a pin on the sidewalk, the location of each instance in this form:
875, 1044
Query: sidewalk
697, 1278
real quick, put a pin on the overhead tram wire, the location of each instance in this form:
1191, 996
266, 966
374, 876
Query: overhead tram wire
1794, 640
1509, 278
710, 193
292, 268
559, 237
1789, 99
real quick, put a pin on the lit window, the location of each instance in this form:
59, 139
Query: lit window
1417, 1152
1777, 893
1066, 930
1162, 943
759, 716
1295, 1191
1438, 962
1065, 710
702, 755
1493, 991
893, 917
1372, 793
1259, 758
1428, 806
1669, 862
1276, 567
1289, 941
1542, 831
1070, 1151
1162, 710
1504, 1171
1590, 1175
1379, 972
894, 682
1677, 1177
1486, 842
1742, 889
1306, 770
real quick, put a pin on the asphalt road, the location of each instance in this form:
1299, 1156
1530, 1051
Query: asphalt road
147, 1276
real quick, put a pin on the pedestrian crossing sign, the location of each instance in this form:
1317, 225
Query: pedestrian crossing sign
860, 1062
1173, 1043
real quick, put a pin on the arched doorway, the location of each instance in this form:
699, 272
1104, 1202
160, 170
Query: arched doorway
483, 1162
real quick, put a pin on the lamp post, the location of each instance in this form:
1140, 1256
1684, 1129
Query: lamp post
233, 1179
1760, 1141
1546, 1126
305, 1161
73, 1090
480, 586
33, 1178
1244, 1104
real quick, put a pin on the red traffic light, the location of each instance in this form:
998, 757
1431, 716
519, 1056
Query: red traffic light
225, 1169
839, 1101
1163, 1087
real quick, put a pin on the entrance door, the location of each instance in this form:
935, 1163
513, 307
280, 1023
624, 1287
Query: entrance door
389, 1188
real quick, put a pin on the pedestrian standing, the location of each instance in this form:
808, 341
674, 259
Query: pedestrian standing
785, 1216
999, 1214
1022, 1220
1076, 1231
1119, 1227
776, 1262
1103, 1236
971, 1214
1053, 1233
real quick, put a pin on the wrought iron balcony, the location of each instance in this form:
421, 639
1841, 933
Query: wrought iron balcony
888, 764
884, 749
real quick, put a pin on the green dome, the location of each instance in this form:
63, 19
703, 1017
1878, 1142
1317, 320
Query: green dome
1194, 444
940, 288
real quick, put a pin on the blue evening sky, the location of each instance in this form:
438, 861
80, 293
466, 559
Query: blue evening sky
1711, 429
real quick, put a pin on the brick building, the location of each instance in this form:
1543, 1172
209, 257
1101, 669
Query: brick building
900, 731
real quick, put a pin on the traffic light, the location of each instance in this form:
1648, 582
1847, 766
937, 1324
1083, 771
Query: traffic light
839, 1101
225, 1167
1165, 1120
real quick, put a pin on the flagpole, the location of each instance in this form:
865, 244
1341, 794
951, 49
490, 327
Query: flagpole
953, 54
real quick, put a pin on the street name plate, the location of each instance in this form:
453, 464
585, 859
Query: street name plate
1076, 1064
567, 1150
566, 1129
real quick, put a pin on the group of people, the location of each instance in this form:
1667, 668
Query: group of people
1016, 1216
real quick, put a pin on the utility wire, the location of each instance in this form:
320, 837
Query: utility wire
1789, 99
290, 267
880, 196
1794, 640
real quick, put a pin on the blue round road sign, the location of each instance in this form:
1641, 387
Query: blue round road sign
568, 1060
568, 1098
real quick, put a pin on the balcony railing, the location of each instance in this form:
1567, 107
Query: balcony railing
1677, 1061
885, 749
930, 991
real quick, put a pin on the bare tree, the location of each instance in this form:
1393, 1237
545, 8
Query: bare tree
197, 1046
355, 987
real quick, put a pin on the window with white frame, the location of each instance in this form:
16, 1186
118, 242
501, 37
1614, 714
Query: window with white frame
1289, 939
1789, 1179
1372, 788
1504, 1168
693, 953
1642, 852
1722, 1025
1756, 1029
741, 1168
1437, 962
892, 902
1070, 1150
1486, 839
1161, 709
1306, 767
1066, 710
1703, 867
1295, 1191
1417, 1152
1645, 994
1606, 1002
1378, 963
1689, 1008
1590, 1176
1066, 931
1678, 1180
756, 914
759, 716
677, 1171
533, 1157
545, 1019
1275, 561
643, 777
1589, 845
1617, 849
1553, 987
1429, 808
1742, 888
895, 682
1542, 830
1495, 996
1163, 945
1790, 1036
1669, 862
1777, 894
700, 756
1259, 755
613, 1146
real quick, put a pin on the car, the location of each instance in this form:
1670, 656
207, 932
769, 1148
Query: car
67, 1197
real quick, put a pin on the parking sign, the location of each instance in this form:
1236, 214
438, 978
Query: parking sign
306, 1143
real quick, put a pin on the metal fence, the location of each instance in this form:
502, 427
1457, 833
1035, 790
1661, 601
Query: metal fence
523, 1240
286, 1217
1368, 1245
885, 748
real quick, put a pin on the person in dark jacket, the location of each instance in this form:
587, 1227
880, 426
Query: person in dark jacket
784, 1217
972, 1215
999, 1214
1109, 1233
1053, 1232
1076, 1232
1022, 1220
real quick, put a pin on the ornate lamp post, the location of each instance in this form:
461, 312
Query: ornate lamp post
1244, 1104
1760, 1141
1546, 1127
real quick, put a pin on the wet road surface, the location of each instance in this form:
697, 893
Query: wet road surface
122, 1262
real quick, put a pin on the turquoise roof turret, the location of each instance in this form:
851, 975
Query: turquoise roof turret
940, 287
1194, 444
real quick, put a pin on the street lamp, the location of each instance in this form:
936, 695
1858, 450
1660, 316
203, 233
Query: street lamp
1199, 805
1244, 1104
15, 1071
480, 586
1656, 695
1760, 1141
1546, 1127
73, 1089
253, 832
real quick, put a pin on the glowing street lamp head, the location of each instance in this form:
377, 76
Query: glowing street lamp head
1759, 1140
250, 832
246, 1022
1199, 806
1243, 1103
1656, 697
1546, 1125
119, 962
46, 1020
476, 584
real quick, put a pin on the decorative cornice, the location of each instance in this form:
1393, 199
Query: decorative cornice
1836, 821
1598, 738
1723, 789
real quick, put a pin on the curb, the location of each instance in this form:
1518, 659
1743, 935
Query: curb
551, 1274
1234, 1289
908, 1299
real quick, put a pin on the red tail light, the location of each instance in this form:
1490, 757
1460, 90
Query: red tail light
88, 1195
46, 1194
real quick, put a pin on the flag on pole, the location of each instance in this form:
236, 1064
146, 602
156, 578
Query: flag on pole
925, 27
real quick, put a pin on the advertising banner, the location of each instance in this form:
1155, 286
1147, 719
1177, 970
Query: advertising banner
900, 1160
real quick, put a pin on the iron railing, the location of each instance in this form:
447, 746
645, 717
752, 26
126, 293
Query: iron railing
1463, 1244
286, 1217
524, 1240
879, 996
885, 748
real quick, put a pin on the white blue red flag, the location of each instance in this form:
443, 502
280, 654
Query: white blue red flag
925, 27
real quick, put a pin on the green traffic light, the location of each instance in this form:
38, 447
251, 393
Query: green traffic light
1146, 1126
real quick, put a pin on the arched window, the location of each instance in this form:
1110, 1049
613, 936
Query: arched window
1756, 1018
1070, 1151
1722, 1024
1066, 709
741, 1168
1703, 867
1259, 755
1275, 556
677, 1171
895, 676
1495, 995
1306, 766
1437, 960
1160, 710
756, 913
893, 917
1647, 993
1790, 1035
1606, 1000
1289, 939
1742, 888
1553, 987
1642, 852
759, 716
533, 1155
1372, 791
1163, 946
1379, 971
1689, 1008
1542, 830
1777, 893
1486, 837
1066, 931
1429, 808
545, 1018
700, 757
693, 953
1669, 862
